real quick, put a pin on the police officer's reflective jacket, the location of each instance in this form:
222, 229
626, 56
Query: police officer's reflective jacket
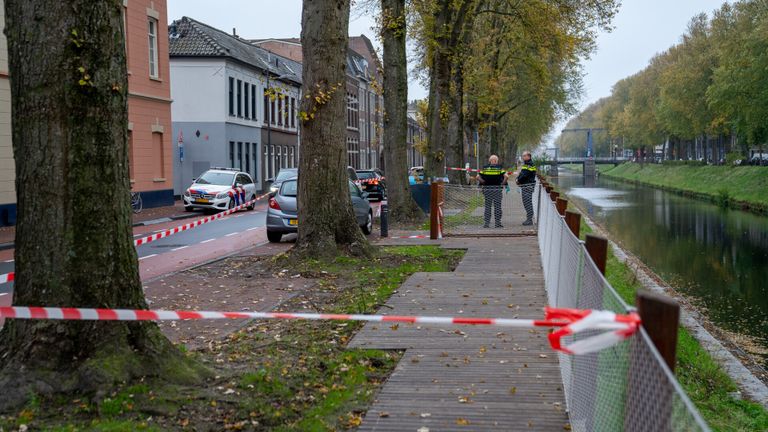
527, 174
492, 175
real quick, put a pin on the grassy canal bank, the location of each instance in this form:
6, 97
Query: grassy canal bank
743, 188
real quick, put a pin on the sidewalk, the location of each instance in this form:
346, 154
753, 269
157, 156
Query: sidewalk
470, 378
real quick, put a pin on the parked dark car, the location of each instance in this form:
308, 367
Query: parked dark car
283, 175
282, 214
373, 183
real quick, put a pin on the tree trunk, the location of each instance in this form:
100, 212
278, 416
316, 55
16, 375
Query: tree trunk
402, 207
454, 156
439, 92
74, 244
326, 217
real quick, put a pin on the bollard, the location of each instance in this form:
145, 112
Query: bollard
384, 219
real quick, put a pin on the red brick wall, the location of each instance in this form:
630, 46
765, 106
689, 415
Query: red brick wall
149, 107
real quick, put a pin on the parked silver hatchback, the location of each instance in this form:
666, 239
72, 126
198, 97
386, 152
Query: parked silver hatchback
282, 214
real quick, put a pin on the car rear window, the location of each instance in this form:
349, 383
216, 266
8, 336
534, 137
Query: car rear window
366, 174
286, 174
289, 188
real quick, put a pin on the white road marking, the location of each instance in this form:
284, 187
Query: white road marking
148, 256
231, 234
254, 228
179, 248
8, 261
206, 241
2, 294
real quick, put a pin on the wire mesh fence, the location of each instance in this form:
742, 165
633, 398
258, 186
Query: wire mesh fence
626, 387
489, 210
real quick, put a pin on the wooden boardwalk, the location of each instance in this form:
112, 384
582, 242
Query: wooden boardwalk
470, 378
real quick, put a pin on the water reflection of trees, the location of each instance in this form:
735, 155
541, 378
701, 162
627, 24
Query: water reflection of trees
722, 255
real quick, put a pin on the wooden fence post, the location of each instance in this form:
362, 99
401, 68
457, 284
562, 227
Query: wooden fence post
597, 248
660, 316
553, 195
573, 220
561, 204
434, 199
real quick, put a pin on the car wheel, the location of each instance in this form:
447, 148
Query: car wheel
274, 237
368, 227
188, 208
252, 206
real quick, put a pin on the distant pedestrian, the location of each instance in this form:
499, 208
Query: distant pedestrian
527, 182
492, 178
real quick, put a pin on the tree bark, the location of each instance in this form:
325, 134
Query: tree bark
439, 90
402, 207
326, 217
452, 22
74, 244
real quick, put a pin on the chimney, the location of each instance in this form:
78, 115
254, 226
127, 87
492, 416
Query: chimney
234, 32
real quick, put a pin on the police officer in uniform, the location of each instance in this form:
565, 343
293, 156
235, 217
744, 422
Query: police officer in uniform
527, 182
492, 177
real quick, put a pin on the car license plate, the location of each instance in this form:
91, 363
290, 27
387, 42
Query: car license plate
293, 222
202, 201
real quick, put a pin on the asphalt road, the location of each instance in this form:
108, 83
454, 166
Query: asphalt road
185, 249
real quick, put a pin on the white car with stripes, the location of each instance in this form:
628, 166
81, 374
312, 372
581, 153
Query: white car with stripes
220, 189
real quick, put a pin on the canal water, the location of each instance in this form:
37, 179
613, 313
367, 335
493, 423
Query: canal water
714, 256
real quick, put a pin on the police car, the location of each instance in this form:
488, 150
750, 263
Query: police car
220, 189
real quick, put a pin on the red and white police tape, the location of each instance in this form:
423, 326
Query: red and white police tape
6, 278
571, 321
195, 224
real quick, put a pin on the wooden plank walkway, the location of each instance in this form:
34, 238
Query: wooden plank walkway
470, 378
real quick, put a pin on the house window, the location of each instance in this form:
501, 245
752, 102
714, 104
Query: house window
265, 167
285, 157
253, 104
280, 112
239, 98
293, 157
153, 64
231, 153
231, 96
272, 112
293, 112
158, 156
267, 117
352, 111
279, 157
245, 100
275, 160
248, 157
240, 155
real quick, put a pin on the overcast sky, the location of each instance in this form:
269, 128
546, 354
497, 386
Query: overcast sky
642, 29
